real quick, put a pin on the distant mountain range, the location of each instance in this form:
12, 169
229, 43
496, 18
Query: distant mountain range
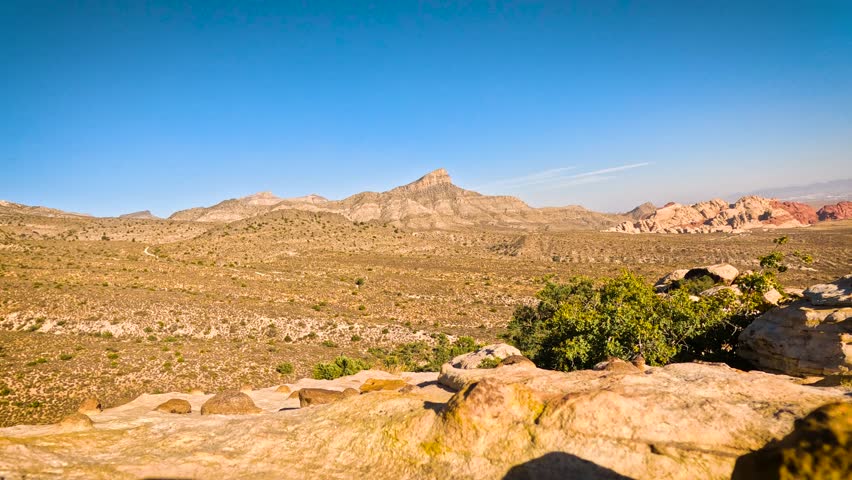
434, 202
814, 194
430, 202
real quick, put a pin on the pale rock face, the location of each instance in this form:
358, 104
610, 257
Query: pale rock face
818, 448
803, 338
772, 296
497, 351
682, 421
835, 294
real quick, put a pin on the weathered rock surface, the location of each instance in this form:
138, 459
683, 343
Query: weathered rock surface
497, 352
519, 360
89, 406
376, 384
175, 405
834, 294
320, 396
802, 338
76, 422
682, 421
666, 282
841, 211
819, 447
229, 403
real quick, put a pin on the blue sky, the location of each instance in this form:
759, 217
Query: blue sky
111, 107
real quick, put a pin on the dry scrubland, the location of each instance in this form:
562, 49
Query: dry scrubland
118, 307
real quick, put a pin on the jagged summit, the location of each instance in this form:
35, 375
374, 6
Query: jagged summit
435, 177
262, 198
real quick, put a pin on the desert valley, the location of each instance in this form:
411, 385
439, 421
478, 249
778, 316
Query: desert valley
256, 292
508, 240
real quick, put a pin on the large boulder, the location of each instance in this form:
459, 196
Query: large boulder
76, 422
229, 403
495, 352
834, 294
320, 396
803, 338
174, 405
664, 283
720, 272
819, 447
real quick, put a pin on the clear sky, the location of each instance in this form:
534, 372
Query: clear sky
112, 107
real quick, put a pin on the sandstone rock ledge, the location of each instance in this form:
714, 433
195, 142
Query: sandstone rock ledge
682, 421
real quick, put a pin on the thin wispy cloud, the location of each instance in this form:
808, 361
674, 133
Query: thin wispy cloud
557, 178
526, 180
611, 170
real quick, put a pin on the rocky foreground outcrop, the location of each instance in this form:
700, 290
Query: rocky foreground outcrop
681, 421
811, 336
718, 216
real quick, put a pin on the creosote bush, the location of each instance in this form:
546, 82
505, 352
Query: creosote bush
422, 357
340, 367
285, 368
580, 323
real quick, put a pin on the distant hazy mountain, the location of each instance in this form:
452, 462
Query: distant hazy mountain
11, 208
143, 215
814, 194
432, 201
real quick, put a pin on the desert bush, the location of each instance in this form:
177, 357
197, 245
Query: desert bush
694, 286
285, 368
580, 323
340, 367
488, 362
422, 357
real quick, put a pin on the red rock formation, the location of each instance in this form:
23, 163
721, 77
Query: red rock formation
801, 212
841, 211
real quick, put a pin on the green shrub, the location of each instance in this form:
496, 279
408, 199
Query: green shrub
488, 362
694, 286
66, 356
580, 323
285, 368
422, 357
329, 344
340, 367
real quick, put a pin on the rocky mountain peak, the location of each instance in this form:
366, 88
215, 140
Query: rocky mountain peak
436, 177
262, 198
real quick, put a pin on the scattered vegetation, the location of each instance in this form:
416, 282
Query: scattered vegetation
340, 367
580, 323
422, 357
